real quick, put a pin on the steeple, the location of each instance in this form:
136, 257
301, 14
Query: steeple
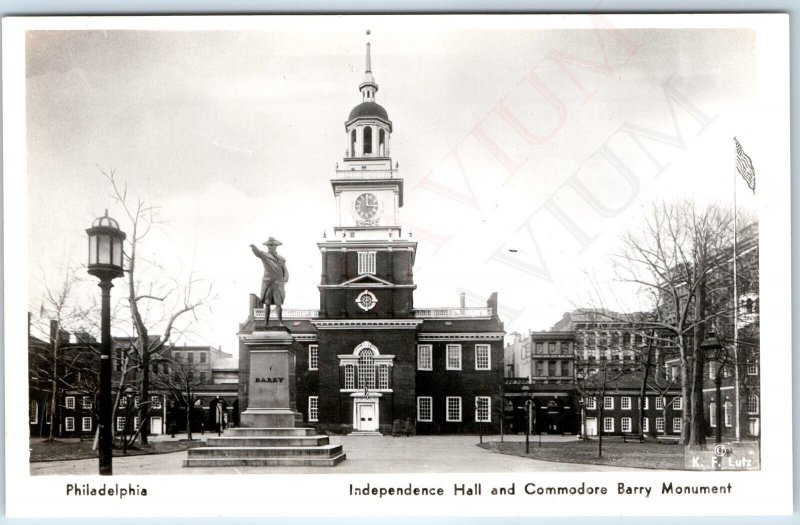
368, 86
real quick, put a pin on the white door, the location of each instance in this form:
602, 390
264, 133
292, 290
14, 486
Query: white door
366, 417
591, 426
156, 425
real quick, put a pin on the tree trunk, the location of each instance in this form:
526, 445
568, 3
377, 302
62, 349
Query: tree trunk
189, 420
685, 397
697, 431
144, 395
53, 389
643, 387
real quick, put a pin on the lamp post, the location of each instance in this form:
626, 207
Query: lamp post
105, 263
528, 405
129, 395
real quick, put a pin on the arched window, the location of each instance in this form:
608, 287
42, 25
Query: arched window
353, 143
712, 414
728, 410
749, 306
382, 143
366, 369
752, 404
367, 140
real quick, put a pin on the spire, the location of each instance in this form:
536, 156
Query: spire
368, 86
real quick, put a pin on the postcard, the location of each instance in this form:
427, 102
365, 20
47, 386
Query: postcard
406, 265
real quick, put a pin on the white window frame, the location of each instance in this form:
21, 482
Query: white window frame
48, 413
608, 424
660, 422
625, 401
727, 413
383, 377
69, 402
448, 417
752, 369
313, 408
313, 357
645, 403
591, 403
712, 414
425, 403
120, 423
349, 379
659, 403
677, 425
488, 418
712, 370
424, 357
608, 403
33, 412
453, 351
479, 349
626, 425
86, 402
69, 424
645, 424
366, 263
135, 423
750, 399
155, 401
84, 426
677, 403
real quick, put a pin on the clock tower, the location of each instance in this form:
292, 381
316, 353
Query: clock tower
367, 265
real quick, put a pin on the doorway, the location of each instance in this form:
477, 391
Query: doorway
156, 426
591, 426
365, 415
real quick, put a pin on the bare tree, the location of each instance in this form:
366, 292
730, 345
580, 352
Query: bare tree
156, 302
181, 379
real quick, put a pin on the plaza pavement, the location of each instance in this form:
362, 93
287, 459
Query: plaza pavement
365, 455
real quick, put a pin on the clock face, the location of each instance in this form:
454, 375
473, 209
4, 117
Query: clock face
366, 206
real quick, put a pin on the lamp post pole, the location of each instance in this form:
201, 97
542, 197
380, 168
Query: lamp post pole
105, 378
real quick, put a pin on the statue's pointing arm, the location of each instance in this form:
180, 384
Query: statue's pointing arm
258, 253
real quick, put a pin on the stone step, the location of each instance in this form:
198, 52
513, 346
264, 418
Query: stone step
264, 452
268, 441
265, 462
240, 431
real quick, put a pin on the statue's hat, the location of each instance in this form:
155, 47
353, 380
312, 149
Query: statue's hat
272, 241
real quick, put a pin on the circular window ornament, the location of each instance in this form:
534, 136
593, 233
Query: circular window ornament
366, 300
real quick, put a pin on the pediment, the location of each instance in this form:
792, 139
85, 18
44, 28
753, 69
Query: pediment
371, 280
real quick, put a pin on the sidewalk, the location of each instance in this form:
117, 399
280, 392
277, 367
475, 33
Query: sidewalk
365, 454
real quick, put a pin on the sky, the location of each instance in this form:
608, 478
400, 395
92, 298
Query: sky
527, 150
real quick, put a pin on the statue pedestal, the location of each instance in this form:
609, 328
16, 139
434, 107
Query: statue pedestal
271, 385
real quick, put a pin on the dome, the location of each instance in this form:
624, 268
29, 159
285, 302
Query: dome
106, 222
369, 109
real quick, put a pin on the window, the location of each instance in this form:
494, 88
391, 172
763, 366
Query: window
482, 357
155, 401
539, 348
86, 402
120, 423
608, 424
424, 357
608, 402
313, 408
69, 401
453, 409
752, 369
366, 369
727, 409
626, 424
726, 371
752, 404
591, 403
202, 377
86, 424
69, 424
424, 409
48, 414
712, 370
454, 357
645, 424
313, 357
202, 357
135, 423
190, 357
645, 403
349, 377
677, 403
659, 403
33, 412
659, 424
677, 424
483, 409
712, 414
551, 348
366, 262
367, 140
383, 377
626, 403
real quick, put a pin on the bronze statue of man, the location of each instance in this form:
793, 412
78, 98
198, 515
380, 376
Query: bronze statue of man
275, 275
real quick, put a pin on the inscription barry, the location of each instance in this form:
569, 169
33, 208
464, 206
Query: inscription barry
269, 379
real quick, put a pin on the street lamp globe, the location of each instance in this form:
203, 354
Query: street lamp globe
105, 248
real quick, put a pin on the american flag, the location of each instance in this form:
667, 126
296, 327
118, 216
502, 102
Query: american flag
745, 166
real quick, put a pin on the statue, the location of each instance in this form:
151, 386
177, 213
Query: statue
275, 275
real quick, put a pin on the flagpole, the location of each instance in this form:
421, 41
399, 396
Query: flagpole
735, 314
